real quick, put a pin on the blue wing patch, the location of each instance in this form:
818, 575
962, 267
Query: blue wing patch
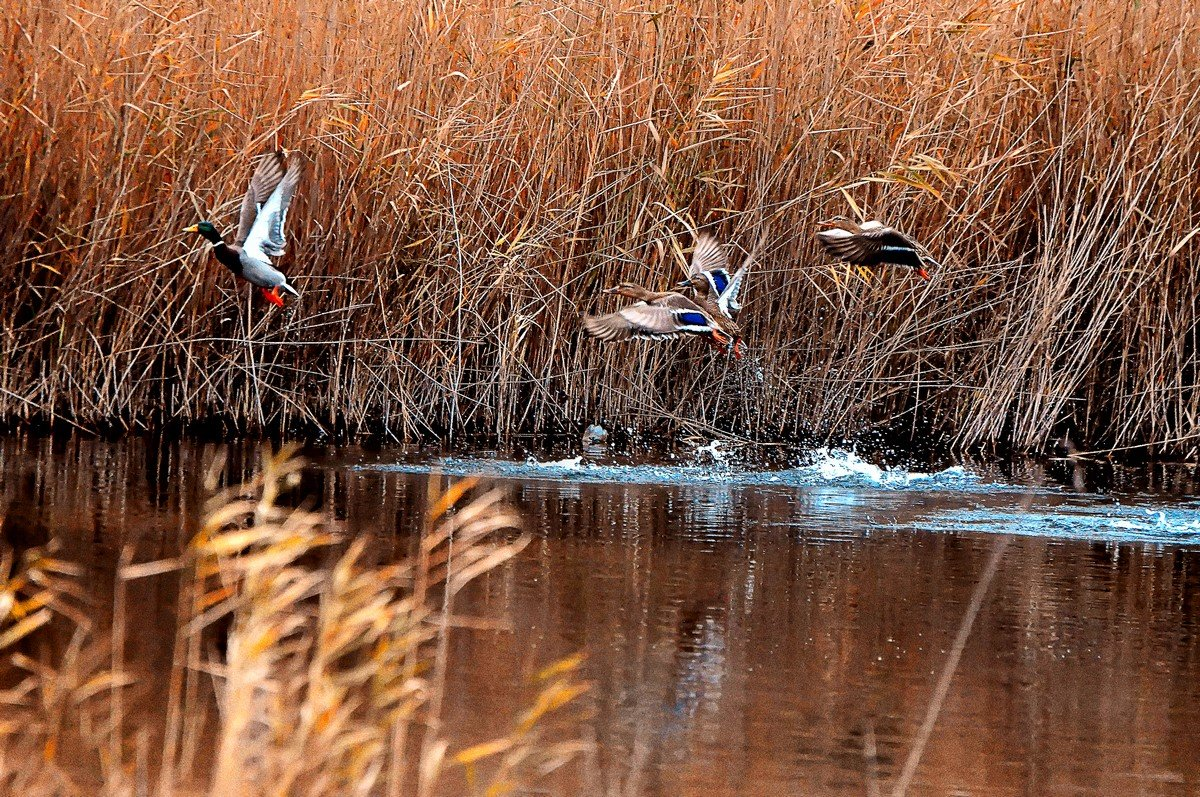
720, 280
692, 319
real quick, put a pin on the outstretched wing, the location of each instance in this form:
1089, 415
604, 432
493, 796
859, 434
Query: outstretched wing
710, 260
266, 234
267, 177
728, 300
887, 236
654, 322
708, 256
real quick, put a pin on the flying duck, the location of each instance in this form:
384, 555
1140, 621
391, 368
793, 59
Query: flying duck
872, 243
714, 288
260, 227
660, 315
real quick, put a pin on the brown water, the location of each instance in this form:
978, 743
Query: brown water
751, 633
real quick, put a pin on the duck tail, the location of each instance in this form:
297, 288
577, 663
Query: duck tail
290, 289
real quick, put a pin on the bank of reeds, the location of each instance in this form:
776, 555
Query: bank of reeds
479, 170
302, 666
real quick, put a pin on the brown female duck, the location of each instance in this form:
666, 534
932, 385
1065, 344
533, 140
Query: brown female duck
715, 290
661, 315
872, 243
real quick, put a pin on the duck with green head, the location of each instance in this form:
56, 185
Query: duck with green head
260, 227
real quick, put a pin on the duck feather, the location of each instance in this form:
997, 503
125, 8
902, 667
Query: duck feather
266, 236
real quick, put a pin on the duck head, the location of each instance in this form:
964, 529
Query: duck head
207, 230
697, 282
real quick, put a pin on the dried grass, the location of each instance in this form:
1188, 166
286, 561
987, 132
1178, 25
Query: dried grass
480, 169
332, 675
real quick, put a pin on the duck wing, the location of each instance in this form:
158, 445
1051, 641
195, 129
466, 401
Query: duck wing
266, 233
728, 300
708, 255
267, 177
710, 259
657, 321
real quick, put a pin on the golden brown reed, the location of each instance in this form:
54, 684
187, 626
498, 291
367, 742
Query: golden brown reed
481, 169
330, 682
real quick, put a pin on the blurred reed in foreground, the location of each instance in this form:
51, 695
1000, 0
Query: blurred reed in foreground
329, 678
480, 169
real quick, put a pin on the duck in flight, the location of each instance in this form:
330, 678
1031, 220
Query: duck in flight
659, 315
260, 234
712, 284
873, 243
663, 315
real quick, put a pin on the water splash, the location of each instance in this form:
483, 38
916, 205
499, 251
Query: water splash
835, 465
1174, 523
714, 451
566, 464
842, 490
824, 466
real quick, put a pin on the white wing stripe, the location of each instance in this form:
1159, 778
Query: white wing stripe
835, 233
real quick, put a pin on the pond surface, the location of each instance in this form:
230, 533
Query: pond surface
754, 632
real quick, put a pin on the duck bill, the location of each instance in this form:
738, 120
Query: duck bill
193, 228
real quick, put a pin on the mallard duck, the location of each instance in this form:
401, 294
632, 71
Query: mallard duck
260, 227
716, 290
708, 276
659, 315
872, 243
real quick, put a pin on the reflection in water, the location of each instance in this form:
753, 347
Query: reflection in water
748, 635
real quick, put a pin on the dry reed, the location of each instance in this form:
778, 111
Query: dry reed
479, 170
329, 683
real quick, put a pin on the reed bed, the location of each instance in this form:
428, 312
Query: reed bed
302, 666
479, 170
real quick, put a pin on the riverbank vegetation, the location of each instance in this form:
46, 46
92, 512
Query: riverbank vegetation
302, 664
479, 170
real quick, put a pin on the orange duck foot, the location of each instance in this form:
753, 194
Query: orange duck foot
272, 296
726, 345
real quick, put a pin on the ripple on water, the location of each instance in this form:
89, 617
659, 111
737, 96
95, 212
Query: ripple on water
1106, 521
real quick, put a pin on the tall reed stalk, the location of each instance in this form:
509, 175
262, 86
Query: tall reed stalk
480, 169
